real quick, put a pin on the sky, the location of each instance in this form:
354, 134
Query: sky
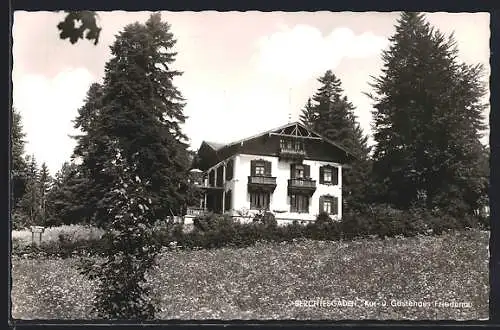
243, 72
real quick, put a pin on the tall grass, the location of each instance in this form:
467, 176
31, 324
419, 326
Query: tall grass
263, 281
51, 234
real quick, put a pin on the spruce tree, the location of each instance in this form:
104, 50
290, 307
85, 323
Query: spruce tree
331, 114
44, 184
65, 202
18, 163
85, 183
308, 115
141, 109
28, 211
427, 120
134, 154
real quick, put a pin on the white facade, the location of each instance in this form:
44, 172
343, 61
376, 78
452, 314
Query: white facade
279, 198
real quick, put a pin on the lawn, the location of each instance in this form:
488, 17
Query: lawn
363, 279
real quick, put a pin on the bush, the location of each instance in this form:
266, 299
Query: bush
356, 223
324, 228
266, 218
215, 231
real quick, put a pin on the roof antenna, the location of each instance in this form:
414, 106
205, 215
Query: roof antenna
290, 105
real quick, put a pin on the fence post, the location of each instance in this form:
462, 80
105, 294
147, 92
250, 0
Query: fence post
36, 230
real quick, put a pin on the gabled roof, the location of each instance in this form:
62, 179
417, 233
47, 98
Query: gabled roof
219, 152
293, 126
214, 145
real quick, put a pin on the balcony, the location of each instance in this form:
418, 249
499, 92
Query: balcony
263, 183
292, 153
301, 185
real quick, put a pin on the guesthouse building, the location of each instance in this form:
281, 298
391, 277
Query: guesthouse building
291, 171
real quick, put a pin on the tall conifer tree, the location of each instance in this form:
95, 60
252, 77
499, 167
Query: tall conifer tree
427, 121
139, 108
134, 155
18, 163
330, 114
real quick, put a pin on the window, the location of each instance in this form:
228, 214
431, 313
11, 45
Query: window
260, 167
329, 175
292, 145
260, 170
227, 201
328, 204
299, 203
299, 171
259, 200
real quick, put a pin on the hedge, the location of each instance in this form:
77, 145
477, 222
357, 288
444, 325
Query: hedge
215, 231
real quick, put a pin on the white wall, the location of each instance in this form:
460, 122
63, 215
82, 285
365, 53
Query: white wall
280, 201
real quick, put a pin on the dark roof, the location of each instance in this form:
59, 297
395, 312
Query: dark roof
223, 150
214, 145
285, 126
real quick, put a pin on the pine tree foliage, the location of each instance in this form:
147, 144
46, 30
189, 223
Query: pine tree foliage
18, 163
44, 185
427, 120
331, 114
308, 115
133, 156
28, 210
139, 107
65, 203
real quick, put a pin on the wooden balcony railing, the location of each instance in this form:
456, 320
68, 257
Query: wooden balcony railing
262, 179
292, 153
262, 182
301, 185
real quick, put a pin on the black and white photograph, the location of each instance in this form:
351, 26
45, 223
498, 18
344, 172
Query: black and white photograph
250, 166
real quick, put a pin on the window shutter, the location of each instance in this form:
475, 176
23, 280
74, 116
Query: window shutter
292, 171
253, 164
307, 171
335, 205
335, 175
321, 175
267, 169
321, 200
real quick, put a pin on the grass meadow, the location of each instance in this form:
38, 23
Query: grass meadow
305, 280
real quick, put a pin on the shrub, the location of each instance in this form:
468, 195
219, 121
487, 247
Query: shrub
356, 223
292, 231
266, 218
323, 228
